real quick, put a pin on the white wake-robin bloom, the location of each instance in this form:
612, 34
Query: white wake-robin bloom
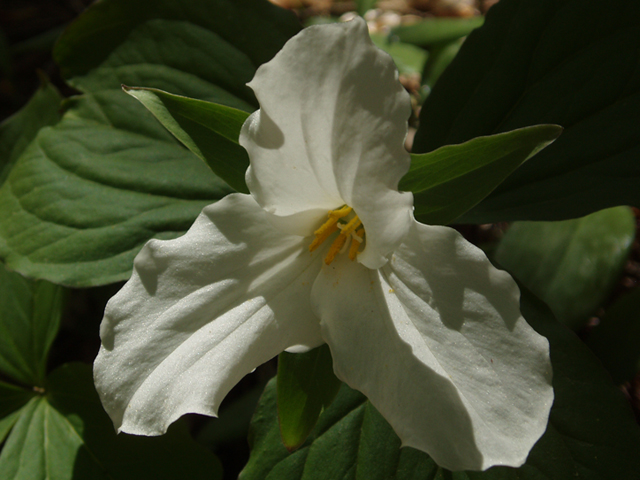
325, 249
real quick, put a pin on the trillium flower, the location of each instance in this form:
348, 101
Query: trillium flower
326, 250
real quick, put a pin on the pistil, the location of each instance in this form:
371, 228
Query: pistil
357, 239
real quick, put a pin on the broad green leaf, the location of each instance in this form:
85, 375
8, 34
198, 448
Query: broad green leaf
209, 130
29, 321
572, 63
615, 341
17, 131
65, 434
449, 181
306, 386
408, 58
591, 435
88, 193
436, 31
572, 265
206, 49
91, 190
12, 399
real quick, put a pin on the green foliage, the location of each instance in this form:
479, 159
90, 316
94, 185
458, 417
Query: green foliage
17, 131
29, 322
571, 265
306, 385
434, 31
85, 182
65, 434
449, 181
591, 433
53, 426
571, 63
208, 129
408, 58
615, 341
188, 47
88, 192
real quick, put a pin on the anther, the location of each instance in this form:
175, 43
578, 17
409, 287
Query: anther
336, 246
348, 239
329, 227
340, 241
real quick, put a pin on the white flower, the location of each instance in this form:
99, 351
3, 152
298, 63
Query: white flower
416, 317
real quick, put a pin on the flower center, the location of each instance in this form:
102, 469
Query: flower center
350, 237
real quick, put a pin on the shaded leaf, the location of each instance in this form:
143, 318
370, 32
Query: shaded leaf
306, 386
17, 131
615, 341
437, 30
408, 58
195, 48
572, 265
209, 130
449, 181
571, 63
29, 320
12, 399
66, 434
91, 191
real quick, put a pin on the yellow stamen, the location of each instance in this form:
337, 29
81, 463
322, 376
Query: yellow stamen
335, 248
340, 212
328, 227
339, 242
354, 223
355, 244
348, 239
322, 234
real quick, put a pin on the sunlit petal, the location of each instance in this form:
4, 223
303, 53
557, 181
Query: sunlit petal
199, 313
436, 341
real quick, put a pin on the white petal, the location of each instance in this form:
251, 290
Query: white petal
436, 341
330, 131
199, 313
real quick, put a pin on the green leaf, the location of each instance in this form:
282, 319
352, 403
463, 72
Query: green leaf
29, 321
17, 131
66, 434
436, 31
90, 191
409, 59
572, 63
306, 386
208, 129
449, 181
12, 399
572, 265
615, 341
197, 48
591, 435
